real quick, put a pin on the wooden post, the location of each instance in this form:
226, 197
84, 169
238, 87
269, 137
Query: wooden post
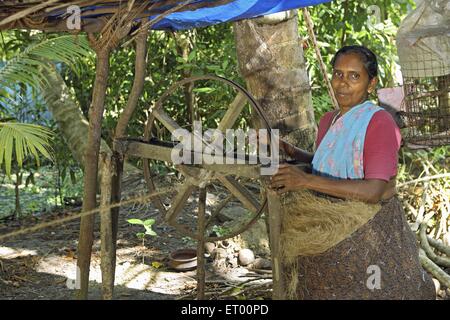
96, 109
116, 29
106, 232
116, 193
110, 218
201, 244
111, 174
275, 211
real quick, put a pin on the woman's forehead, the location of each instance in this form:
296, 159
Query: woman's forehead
349, 62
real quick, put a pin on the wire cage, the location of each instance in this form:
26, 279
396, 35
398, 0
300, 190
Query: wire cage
426, 105
423, 43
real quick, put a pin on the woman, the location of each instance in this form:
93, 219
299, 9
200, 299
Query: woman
356, 159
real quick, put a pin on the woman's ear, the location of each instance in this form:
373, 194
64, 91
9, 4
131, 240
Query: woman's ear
372, 85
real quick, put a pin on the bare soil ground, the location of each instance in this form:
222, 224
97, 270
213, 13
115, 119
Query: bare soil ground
42, 265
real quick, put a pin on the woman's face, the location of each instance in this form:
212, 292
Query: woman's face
350, 81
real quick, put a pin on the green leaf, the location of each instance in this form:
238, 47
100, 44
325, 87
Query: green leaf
21, 139
135, 221
149, 222
191, 55
185, 66
150, 232
30, 66
140, 235
225, 64
204, 90
63, 173
73, 177
213, 68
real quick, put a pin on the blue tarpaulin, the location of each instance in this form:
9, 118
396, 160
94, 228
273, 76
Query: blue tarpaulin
235, 10
231, 11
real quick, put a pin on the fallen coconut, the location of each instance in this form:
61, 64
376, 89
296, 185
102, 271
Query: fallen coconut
209, 247
261, 263
246, 256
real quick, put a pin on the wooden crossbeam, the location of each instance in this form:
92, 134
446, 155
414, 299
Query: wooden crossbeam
163, 153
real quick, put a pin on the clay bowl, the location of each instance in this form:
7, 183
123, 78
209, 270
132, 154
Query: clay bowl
183, 259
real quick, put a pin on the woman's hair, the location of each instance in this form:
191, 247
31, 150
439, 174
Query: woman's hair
368, 58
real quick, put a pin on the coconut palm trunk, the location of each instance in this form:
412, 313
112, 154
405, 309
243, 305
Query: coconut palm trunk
69, 117
272, 63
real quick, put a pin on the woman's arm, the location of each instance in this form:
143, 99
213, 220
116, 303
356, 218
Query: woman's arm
289, 178
296, 153
291, 150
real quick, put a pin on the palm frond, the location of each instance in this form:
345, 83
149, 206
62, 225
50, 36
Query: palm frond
27, 66
22, 140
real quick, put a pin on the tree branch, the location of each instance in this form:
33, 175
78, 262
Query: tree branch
442, 261
438, 176
138, 84
434, 269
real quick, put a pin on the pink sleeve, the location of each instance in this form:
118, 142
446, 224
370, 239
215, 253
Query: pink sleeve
381, 147
324, 124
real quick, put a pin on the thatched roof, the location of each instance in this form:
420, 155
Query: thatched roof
51, 15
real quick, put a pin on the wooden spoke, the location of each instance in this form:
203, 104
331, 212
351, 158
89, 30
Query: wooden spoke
202, 174
166, 120
216, 212
170, 124
189, 172
151, 189
233, 112
241, 193
179, 201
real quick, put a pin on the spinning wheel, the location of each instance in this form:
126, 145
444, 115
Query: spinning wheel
234, 195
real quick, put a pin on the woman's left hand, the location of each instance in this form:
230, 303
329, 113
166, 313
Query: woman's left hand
289, 178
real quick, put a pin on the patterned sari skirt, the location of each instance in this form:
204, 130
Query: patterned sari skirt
378, 261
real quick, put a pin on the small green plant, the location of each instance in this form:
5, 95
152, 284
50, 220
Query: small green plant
188, 241
147, 224
220, 231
